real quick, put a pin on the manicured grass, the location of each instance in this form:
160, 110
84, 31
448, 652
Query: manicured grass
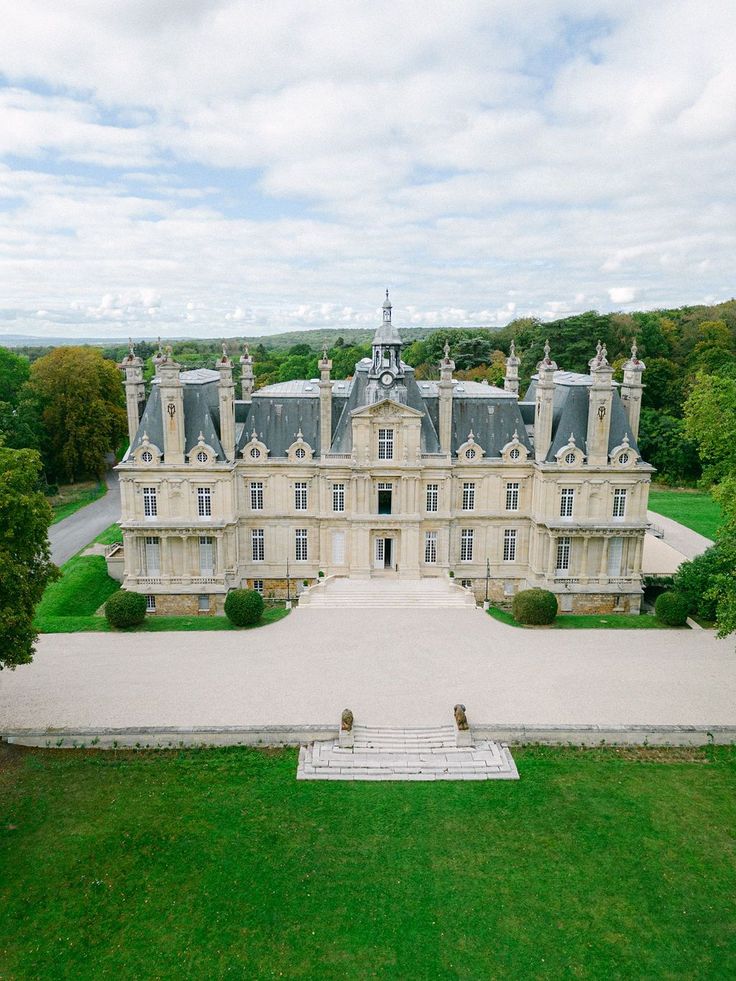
572, 621
210, 863
694, 509
70, 604
72, 497
110, 535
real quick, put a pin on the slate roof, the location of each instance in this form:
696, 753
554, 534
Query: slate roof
201, 412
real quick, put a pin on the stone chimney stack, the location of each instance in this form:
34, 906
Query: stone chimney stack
226, 390
172, 408
247, 383
445, 385
631, 391
511, 381
135, 391
325, 403
599, 408
545, 405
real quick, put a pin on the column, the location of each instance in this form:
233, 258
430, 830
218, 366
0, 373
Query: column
603, 571
584, 572
551, 557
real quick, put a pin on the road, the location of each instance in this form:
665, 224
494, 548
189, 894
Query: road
67, 537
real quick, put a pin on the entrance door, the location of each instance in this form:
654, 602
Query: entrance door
379, 554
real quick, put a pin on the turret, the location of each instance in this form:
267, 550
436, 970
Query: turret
447, 366
386, 374
325, 402
172, 408
135, 391
246, 379
511, 379
599, 408
544, 406
226, 391
631, 390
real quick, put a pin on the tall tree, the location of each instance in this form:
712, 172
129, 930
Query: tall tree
710, 422
13, 375
25, 565
724, 587
82, 410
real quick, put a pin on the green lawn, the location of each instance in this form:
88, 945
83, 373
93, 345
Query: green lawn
109, 535
694, 509
69, 605
72, 497
212, 863
572, 621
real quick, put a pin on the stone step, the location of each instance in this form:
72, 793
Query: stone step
391, 593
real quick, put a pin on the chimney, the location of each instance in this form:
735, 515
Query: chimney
135, 391
599, 408
447, 366
226, 391
172, 408
511, 380
544, 407
246, 380
325, 403
631, 391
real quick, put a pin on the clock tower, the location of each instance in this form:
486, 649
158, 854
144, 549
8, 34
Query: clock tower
386, 375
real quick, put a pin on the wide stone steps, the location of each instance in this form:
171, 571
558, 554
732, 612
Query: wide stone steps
405, 754
391, 593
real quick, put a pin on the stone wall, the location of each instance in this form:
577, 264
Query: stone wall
186, 605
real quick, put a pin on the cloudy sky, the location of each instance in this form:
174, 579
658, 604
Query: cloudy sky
213, 167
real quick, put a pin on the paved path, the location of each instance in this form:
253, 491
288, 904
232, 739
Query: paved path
686, 541
391, 667
67, 537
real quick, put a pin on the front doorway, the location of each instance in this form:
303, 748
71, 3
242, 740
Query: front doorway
384, 553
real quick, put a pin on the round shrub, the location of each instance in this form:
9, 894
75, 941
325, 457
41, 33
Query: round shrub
243, 607
125, 609
534, 606
671, 609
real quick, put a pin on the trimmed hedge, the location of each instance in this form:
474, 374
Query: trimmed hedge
125, 609
671, 609
243, 607
534, 607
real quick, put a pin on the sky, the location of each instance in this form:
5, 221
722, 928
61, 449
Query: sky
213, 168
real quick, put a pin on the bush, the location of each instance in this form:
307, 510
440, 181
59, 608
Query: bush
124, 609
694, 579
243, 607
534, 606
671, 609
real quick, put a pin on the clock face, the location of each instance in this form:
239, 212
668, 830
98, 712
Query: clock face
387, 378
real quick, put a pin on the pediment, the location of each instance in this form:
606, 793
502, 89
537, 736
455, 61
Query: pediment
386, 409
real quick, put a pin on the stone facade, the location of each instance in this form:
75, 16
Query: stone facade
384, 475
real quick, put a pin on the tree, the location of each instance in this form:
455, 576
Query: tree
664, 444
25, 564
723, 590
82, 410
710, 422
13, 375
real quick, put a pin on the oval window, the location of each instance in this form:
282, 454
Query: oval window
470, 455
514, 454
255, 453
146, 456
570, 458
624, 458
300, 453
202, 456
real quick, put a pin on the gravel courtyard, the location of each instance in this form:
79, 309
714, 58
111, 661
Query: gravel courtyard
392, 667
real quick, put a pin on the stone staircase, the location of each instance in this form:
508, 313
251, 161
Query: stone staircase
405, 754
360, 593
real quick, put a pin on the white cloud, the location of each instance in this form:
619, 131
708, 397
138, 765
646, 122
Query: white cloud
205, 163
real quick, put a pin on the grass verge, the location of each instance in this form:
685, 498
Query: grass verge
596, 864
70, 604
73, 497
694, 509
573, 621
110, 535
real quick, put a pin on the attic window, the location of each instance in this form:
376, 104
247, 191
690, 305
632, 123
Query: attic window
514, 454
146, 456
202, 457
255, 453
300, 453
470, 454
569, 458
624, 458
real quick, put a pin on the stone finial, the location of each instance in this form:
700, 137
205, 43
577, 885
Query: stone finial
625, 440
571, 440
200, 438
446, 349
145, 438
131, 352
346, 721
471, 437
254, 436
546, 350
461, 719
300, 435
515, 437
169, 352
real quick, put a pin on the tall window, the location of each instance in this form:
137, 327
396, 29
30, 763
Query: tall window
150, 505
300, 495
432, 496
152, 556
385, 495
204, 502
256, 495
563, 554
300, 541
430, 546
206, 555
567, 496
338, 497
509, 545
466, 545
615, 555
468, 497
385, 444
512, 496
256, 539
619, 502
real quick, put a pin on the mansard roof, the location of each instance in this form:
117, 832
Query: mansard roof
201, 412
